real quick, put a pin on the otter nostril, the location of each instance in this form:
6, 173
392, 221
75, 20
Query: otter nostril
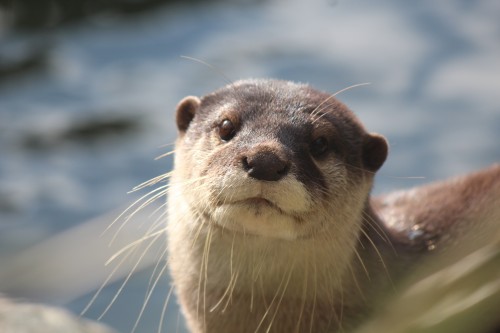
245, 164
265, 166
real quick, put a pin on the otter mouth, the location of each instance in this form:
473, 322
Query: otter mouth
256, 215
260, 203
257, 203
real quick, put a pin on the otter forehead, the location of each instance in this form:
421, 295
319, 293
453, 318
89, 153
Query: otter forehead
273, 99
258, 100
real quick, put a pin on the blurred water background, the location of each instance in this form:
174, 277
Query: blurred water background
88, 90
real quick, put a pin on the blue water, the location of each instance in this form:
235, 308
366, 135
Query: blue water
433, 69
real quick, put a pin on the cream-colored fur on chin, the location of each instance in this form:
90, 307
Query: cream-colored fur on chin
271, 209
242, 218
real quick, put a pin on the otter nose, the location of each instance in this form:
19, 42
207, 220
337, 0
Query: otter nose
265, 165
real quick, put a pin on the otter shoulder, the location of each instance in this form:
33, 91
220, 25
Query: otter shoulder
429, 216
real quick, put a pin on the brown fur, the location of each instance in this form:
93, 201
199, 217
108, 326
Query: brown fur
305, 250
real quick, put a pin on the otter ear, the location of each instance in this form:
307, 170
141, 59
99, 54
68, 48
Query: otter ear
375, 150
185, 112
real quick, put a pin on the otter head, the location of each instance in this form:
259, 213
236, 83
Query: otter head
275, 159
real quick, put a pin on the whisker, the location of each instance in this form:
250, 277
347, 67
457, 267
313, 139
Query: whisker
315, 293
115, 297
146, 200
232, 281
351, 87
164, 155
356, 252
148, 297
212, 67
378, 254
151, 182
161, 255
206, 253
272, 302
136, 210
164, 309
304, 298
232, 286
405, 177
356, 283
281, 297
377, 228
160, 220
203, 275
317, 109
132, 245
104, 284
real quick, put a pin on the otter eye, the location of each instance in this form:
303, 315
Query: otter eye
226, 130
318, 146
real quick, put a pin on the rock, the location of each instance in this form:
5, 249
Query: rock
20, 317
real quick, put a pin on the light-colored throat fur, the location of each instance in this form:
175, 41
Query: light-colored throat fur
248, 283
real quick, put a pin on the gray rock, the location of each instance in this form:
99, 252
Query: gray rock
20, 317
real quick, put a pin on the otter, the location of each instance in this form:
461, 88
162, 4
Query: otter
271, 224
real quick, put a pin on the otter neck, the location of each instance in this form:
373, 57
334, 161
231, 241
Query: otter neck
317, 267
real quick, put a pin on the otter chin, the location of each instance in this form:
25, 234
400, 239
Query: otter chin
271, 224
262, 209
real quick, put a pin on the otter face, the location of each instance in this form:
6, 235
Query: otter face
274, 159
